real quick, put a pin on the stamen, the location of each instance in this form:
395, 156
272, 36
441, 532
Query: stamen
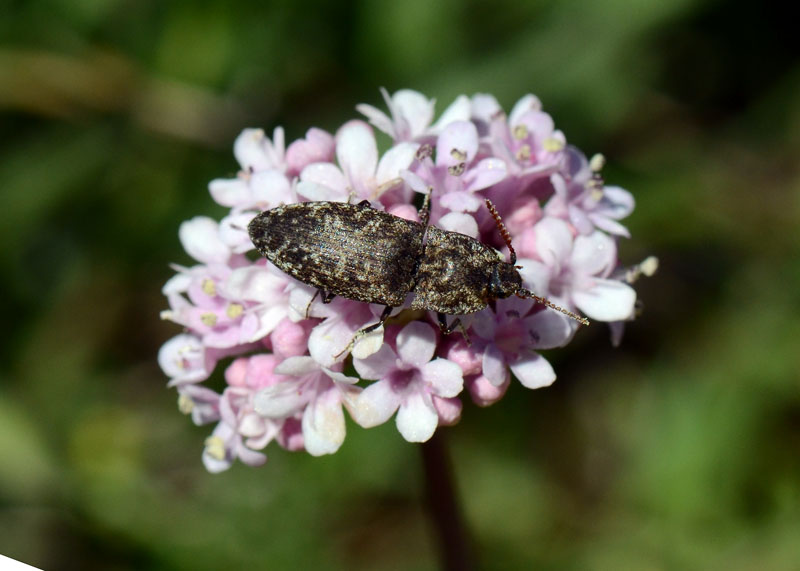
458, 155
185, 404
552, 144
424, 152
215, 447
209, 287
597, 162
457, 170
234, 310
646, 268
523, 153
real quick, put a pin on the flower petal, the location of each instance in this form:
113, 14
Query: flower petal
485, 107
378, 118
594, 255
415, 108
458, 110
322, 181
553, 241
457, 144
486, 173
255, 283
249, 150
535, 275
533, 371
377, 365
281, 400
417, 418
270, 188
550, 329
375, 405
494, 365
323, 424
357, 153
527, 103
297, 366
229, 191
444, 378
416, 343
617, 202
368, 344
200, 239
608, 300
318, 146
460, 222
609, 225
396, 159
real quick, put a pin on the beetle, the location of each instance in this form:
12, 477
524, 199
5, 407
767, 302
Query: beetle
360, 253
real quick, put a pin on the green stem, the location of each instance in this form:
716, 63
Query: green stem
440, 494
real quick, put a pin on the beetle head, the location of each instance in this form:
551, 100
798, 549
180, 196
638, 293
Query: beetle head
505, 281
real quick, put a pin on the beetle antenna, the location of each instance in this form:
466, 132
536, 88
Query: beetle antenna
525, 294
503, 231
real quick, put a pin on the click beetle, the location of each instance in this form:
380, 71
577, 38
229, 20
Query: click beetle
360, 253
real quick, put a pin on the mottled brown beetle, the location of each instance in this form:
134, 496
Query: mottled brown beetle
363, 254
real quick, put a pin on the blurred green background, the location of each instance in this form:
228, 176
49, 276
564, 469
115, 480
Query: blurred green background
678, 450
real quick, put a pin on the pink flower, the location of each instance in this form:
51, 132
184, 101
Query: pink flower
200, 402
409, 383
285, 382
359, 172
582, 199
330, 341
185, 359
574, 271
457, 172
262, 182
315, 392
411, 114
512, 335
317, 147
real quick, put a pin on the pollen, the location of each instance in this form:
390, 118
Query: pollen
209, 287
424, 152
209, 319
185, 404
215, 447
234, 310
457, 170
524, 153
520, 132
458, 155
597, 162
649, 266
552, 144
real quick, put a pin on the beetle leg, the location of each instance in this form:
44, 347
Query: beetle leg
387, 311
447, 330
327, 297
308, 307
425, 211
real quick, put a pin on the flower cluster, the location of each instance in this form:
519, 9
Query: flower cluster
287, 352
